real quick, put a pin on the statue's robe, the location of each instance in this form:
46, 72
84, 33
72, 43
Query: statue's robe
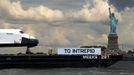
113, 23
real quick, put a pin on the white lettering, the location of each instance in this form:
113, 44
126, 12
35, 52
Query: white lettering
104, 57
90, 57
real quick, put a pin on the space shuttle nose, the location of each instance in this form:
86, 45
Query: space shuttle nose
35, 42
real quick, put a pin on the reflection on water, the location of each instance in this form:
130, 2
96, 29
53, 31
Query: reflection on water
120, 68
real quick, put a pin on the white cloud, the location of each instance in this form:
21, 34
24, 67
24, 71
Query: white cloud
57, 37
97, 12
126, 27
91, 39
15, 10
5, 25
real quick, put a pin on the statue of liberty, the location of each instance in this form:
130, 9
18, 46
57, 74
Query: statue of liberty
113, 22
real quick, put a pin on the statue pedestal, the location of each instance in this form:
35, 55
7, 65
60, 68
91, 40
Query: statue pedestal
113, 42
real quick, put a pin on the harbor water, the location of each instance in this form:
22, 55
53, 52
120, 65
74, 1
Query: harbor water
120, 68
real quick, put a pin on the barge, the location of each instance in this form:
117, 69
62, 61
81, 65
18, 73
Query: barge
57, 60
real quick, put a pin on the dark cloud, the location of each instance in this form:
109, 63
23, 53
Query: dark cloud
122, 4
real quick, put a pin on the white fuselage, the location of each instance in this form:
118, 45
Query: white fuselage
15, 36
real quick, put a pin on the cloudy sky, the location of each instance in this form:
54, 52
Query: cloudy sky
69, 23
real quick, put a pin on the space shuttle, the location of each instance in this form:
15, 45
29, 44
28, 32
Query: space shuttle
16, 38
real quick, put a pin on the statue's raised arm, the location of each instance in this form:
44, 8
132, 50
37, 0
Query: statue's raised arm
109, 12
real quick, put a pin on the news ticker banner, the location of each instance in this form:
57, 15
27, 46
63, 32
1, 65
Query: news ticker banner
79, 51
